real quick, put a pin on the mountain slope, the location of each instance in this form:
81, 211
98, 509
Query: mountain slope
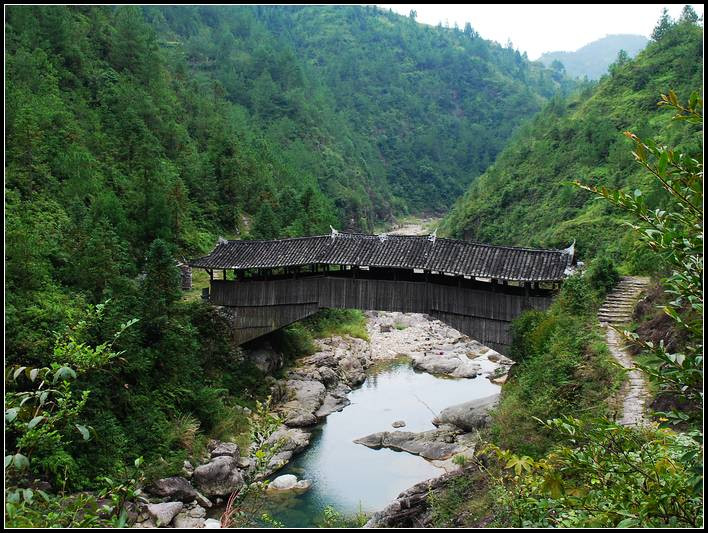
593, 59
525, 198
403, 100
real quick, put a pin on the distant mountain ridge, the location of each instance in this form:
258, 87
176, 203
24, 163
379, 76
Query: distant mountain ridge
593, 59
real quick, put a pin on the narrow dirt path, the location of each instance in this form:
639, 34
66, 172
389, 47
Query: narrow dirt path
616, 311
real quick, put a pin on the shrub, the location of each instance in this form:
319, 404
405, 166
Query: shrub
602, 275
576, 296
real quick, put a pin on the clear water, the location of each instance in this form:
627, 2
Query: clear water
351, 477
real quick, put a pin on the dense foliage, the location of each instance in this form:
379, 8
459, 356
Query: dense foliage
580, 137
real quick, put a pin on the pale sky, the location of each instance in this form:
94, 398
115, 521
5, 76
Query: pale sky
540, 28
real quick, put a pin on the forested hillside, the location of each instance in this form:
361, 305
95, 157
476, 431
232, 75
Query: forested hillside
135, 136
581, 138
592, 60
126, 125
387, 114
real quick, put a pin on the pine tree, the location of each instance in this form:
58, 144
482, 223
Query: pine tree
160, 287
265, 225
663, 26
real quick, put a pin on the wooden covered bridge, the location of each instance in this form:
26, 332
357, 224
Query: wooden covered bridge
477, 289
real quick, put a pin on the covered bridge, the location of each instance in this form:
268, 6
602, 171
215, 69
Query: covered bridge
476, 288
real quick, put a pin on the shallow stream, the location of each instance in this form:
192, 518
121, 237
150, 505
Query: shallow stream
352, 478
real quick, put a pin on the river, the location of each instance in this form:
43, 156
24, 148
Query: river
353, 478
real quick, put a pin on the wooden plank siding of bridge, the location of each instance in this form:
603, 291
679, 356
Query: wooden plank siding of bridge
280, 282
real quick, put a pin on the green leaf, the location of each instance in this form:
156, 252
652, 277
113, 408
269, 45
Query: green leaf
11, 414
33, 374
36, 420
628, 522
20, 461
84, 432
18, 372
8, 460
64, 373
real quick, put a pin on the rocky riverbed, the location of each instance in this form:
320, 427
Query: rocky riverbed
317, 386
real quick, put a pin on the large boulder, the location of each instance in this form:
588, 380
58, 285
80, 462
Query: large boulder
266, 359
336, 400
468, 415
190, 517
163, 513
306, 397
447, 363
287, 442
353, 370
173, 488
219, 477
411, 509
228, 449
437, 444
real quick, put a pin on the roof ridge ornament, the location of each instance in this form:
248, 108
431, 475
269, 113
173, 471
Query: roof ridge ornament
383, 237
333, 232
222, 241
570, 250
433, 235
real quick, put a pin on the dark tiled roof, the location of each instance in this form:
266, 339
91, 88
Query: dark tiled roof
393, 251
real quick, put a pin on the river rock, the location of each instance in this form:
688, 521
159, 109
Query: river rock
203, 500
411, 508
446, 363
398, 424
288, 482
289, 439
228, 449
163, 513
266, 359
211, 523
353, 369
306, 398
284, 482
433, 445
287, 442
328, 376
187, 469
191, 517
468, 415
219, 477
173, 488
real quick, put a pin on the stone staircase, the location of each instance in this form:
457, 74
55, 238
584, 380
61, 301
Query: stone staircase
619, 304
618, 309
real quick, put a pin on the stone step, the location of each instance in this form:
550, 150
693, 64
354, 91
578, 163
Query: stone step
624, 310
614, 313
614, 319
611, 320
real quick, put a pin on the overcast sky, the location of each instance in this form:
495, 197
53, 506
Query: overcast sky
540, 28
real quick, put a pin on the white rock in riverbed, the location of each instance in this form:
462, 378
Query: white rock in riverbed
288, 482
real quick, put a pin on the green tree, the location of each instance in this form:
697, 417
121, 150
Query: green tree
160, 288
663, 26
266, 224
